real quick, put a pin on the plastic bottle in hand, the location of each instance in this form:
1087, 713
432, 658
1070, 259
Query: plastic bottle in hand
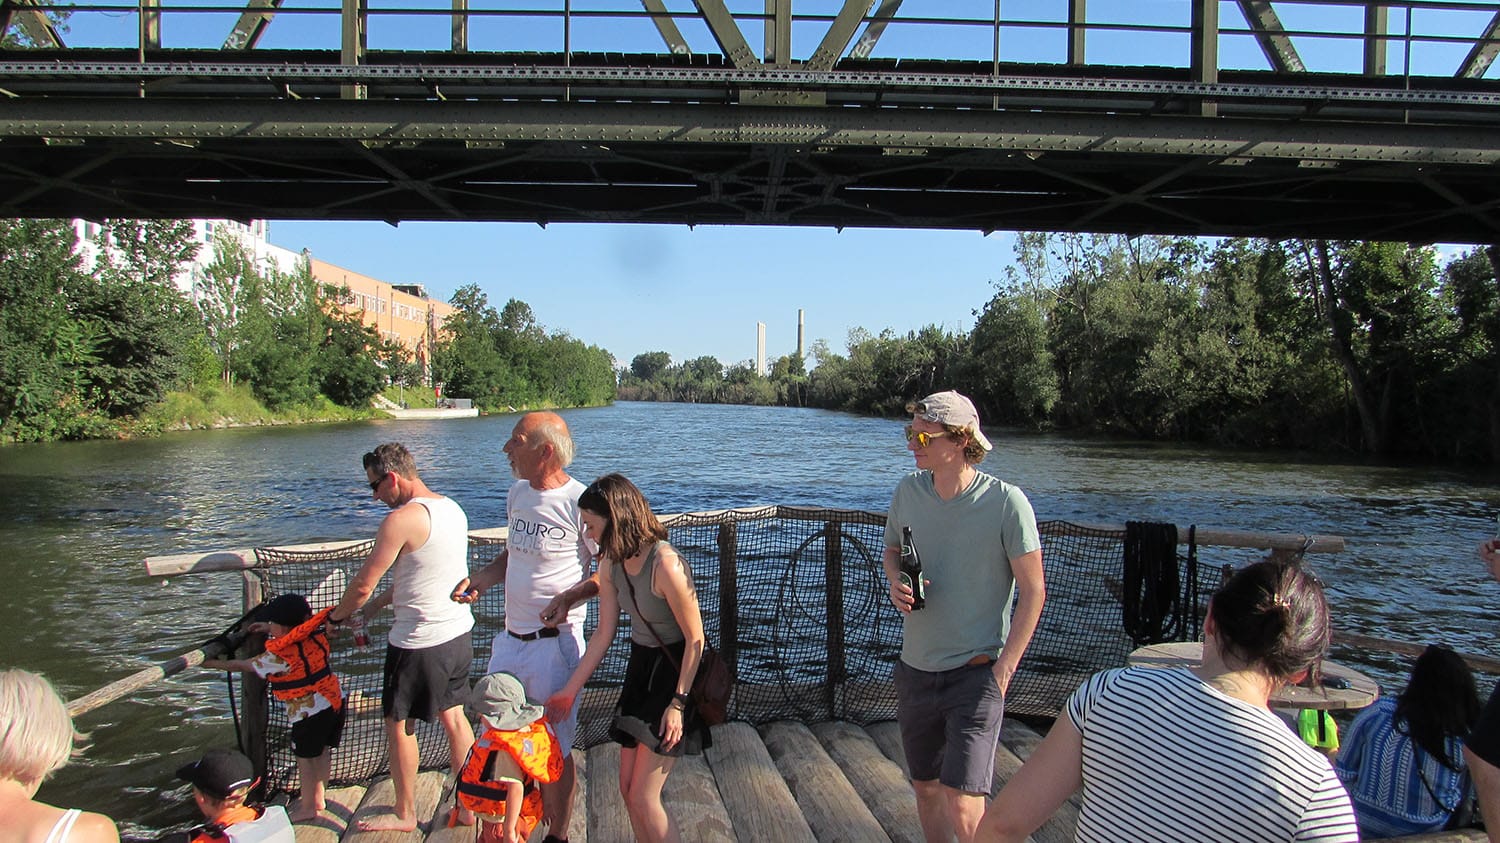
361, 634
911, 570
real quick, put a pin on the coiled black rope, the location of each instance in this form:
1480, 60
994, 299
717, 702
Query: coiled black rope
231, 639
1151, 597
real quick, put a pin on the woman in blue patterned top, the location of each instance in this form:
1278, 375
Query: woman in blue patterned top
1401, 760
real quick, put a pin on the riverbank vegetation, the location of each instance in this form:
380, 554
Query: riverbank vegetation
112, 348
505, 360
1358, 347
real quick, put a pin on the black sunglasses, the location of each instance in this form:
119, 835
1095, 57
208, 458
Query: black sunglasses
375, 484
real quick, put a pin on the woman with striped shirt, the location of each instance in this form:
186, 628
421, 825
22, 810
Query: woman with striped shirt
1174, 754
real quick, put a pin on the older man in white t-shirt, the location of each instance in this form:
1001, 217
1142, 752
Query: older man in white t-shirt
546, 570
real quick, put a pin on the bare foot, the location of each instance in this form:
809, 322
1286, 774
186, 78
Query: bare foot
306, 813
387, 822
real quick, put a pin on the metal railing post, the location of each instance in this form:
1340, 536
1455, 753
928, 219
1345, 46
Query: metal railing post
1204, 62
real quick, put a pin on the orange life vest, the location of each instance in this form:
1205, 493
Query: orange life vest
305, 651
242, 820
535, 751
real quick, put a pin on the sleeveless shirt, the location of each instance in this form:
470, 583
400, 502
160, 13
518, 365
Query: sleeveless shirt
647, 604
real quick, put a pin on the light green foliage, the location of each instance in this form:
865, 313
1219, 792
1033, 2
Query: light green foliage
505, 359
146, 329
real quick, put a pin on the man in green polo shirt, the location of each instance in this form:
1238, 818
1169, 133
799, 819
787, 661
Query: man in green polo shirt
979, 547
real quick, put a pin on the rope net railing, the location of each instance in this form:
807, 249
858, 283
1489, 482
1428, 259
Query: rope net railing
793, 597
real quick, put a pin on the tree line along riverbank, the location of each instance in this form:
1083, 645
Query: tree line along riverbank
113, 348
1332, 346
1355, 347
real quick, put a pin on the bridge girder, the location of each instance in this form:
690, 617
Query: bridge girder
601, 162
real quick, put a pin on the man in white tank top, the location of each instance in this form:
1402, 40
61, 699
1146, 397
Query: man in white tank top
424, 544
548, 580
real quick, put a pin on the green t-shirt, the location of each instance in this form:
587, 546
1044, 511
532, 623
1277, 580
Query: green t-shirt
966, 545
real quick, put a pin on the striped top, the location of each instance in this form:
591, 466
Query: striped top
1166, 757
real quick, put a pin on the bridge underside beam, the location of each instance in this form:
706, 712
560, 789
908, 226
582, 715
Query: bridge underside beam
557, 162
1271, 35
32, 21
1483, 53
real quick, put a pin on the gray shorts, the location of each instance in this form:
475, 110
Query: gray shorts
950, 724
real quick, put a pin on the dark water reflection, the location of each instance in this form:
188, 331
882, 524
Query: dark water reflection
79, 518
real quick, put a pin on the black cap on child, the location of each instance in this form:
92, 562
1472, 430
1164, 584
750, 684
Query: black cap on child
286, 609
219, 773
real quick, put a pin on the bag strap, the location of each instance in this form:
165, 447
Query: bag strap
1422, 774
650, 561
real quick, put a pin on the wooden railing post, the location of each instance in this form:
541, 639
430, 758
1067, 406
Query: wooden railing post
254, 707
833, 586
729, 621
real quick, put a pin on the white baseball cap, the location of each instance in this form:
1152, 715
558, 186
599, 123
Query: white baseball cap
951, 409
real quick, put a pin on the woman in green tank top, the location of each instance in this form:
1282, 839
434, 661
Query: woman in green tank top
642, 574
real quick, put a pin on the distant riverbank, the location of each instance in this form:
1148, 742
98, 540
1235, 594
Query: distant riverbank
221, 407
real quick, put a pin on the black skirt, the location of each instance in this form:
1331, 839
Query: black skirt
650, 683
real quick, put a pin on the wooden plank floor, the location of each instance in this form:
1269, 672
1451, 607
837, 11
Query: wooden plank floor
782, 782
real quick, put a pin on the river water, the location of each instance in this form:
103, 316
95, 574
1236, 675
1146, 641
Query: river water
80, 517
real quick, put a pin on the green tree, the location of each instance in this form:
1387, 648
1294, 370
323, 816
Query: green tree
345, 368
146, 328
789, 377
1378, 305
1468, 413
1010, 371
39, 24
221, 296
651, 364
44, 349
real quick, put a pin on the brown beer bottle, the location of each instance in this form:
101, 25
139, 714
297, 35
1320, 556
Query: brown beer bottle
911, 570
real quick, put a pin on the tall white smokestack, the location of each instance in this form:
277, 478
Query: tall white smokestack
760, 348
801, 349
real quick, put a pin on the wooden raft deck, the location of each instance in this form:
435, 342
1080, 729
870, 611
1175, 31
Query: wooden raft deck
785, 782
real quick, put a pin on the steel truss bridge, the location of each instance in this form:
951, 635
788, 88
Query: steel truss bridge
1334, 118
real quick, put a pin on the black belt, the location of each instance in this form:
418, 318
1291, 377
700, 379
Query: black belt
544, 632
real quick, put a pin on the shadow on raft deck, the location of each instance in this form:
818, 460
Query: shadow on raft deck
783, 782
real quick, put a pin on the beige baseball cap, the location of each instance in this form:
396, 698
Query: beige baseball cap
950, 408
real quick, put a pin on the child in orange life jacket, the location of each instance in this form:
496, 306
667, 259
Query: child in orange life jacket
515, 751
221, 780
295, 664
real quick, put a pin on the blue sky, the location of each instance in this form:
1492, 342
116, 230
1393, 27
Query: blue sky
688, 292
